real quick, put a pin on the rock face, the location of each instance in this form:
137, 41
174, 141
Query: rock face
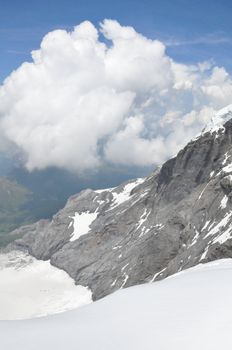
146, 229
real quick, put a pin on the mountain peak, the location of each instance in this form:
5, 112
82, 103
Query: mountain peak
219, 119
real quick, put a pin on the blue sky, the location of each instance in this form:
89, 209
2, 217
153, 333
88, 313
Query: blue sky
193, 30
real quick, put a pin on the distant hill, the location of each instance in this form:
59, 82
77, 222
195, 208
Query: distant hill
13, 200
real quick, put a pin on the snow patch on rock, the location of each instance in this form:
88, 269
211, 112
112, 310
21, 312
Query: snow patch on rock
81, 224
124, 195
224, 202
219, 227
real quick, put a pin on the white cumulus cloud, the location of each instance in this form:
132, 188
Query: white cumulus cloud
92, 96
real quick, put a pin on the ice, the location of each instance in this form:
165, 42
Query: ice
31, 288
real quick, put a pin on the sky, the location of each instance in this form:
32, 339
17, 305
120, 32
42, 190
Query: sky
194, 30
124, 83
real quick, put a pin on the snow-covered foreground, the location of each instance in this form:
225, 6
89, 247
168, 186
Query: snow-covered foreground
31, 288
191, 310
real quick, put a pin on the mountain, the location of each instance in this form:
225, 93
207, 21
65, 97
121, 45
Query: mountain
12, 207
147, 229
190, 310
40, 194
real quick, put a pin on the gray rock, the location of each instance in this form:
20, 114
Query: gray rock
144, 231
226, 183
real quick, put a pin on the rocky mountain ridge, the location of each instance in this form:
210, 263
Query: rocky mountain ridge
145, 229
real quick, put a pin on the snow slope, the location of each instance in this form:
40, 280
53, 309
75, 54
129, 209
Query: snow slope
190, 310
31, 288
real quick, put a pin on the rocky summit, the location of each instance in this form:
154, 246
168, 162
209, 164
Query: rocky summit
145, 229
